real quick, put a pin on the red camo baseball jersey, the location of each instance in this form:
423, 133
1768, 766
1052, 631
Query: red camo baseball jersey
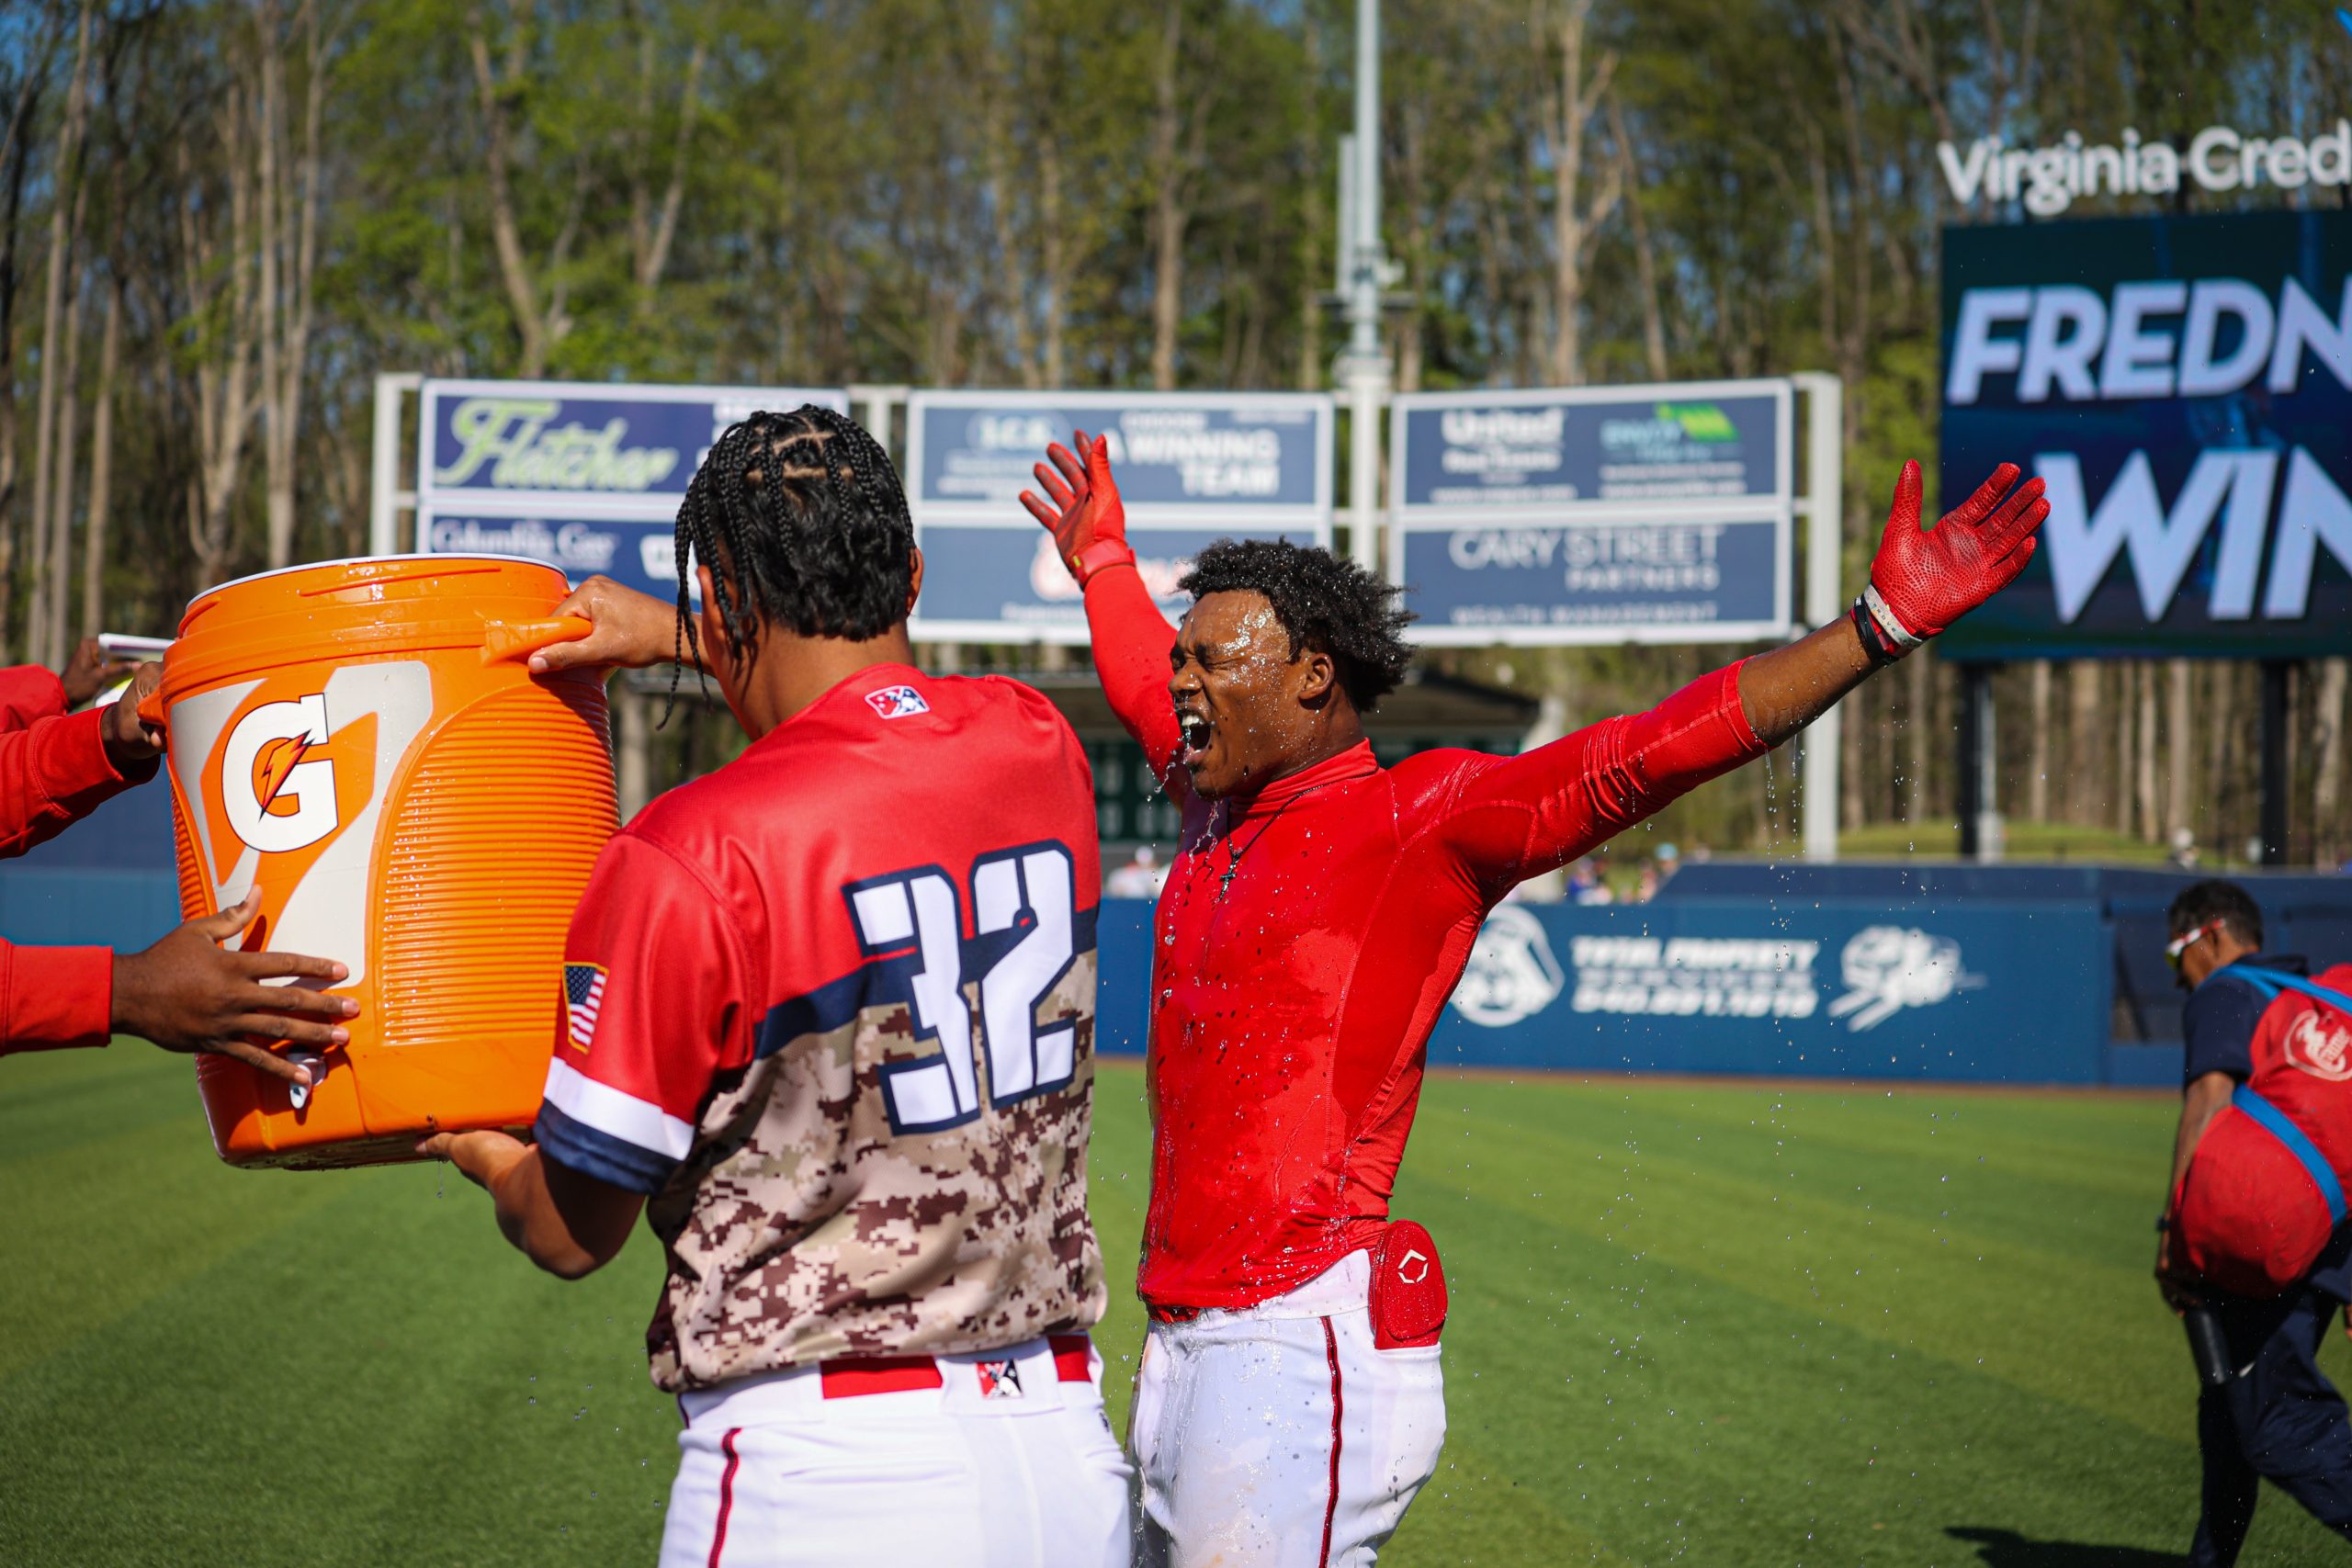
831, 1008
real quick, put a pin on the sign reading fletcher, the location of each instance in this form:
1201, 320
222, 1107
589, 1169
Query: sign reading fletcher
2184, 388
1194, 468
585, 477
1606, 514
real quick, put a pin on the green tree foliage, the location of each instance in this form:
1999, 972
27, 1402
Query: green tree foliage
1015, 192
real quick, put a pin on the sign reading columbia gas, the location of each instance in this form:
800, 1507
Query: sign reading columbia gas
1194, 468
584, 476
1593, 515
2184, 388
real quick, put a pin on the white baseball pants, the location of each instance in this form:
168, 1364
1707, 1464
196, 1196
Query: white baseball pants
1278, 1436
988, 1470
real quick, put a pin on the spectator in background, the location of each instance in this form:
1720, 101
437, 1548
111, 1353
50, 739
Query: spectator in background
2255, 1254
1582, 880
1140, 878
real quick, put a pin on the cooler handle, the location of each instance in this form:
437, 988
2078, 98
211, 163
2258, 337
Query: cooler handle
151, 708
520, 640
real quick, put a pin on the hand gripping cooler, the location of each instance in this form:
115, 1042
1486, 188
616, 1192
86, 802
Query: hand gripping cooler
359, 739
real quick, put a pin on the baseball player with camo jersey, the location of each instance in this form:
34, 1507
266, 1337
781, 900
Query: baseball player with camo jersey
827, 1020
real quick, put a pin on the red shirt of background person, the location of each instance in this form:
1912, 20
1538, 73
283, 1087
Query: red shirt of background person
1319, 913
28, 692
186, 993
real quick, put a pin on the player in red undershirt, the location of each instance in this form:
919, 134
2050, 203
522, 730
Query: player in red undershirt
1320, 912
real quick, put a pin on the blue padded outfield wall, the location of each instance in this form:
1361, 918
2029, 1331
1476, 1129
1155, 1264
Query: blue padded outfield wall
2049, 974
1983, 973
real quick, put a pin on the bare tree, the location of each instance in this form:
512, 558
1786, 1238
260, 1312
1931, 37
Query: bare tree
288, 199
1179, 148
218, 281
1644, 253
1577, 99
2038, 763
2084, 772
2181, 766
498, 92
16, 156
2143, 771
61, 213
93, 540
48, 621
2330, 839
653, 227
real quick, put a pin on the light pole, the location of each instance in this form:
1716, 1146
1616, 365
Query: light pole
1365, 272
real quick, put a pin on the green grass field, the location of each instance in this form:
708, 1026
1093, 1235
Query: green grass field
1696, 1323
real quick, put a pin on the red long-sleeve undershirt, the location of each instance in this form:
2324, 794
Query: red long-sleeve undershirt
1308, 937
53, 772
28, 692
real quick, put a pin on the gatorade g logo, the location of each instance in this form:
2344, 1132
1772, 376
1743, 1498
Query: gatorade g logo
276, 802
284, 780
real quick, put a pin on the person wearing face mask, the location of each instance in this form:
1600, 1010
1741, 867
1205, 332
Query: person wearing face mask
1320, 912
2254, 1252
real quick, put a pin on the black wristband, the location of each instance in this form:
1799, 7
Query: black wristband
1875, 647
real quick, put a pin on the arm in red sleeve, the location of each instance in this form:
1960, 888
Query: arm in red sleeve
1521, 816
28, 692
1131, 643
54, 773
52, 997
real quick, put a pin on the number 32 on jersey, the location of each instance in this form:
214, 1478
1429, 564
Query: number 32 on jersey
911, 925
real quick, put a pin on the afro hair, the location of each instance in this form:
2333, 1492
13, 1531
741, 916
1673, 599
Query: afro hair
1323, 601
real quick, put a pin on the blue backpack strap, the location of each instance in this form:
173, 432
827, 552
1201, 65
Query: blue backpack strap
2273, 1121
2272, 982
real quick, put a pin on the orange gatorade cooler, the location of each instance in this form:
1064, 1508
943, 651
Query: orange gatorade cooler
362, 740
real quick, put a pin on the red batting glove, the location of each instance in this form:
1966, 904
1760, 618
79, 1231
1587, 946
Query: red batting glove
1923, 581
1089, 524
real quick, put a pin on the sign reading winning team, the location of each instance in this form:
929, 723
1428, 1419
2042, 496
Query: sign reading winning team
1594, 514
584, 476
1193, 467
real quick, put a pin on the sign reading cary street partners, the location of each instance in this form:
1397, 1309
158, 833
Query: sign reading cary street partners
584, 475
1594, 514
1192, 467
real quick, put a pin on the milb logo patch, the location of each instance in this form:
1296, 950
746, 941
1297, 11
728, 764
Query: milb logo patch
999, 1379
897, 702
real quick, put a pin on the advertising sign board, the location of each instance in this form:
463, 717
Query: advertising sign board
2183, 385
584, 476
1984, 989
1594, 514
1192, 467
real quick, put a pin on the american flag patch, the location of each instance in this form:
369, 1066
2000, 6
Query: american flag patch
584, 993
897, 702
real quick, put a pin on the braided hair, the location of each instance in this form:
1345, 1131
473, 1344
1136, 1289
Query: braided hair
803, 524
1323, 601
